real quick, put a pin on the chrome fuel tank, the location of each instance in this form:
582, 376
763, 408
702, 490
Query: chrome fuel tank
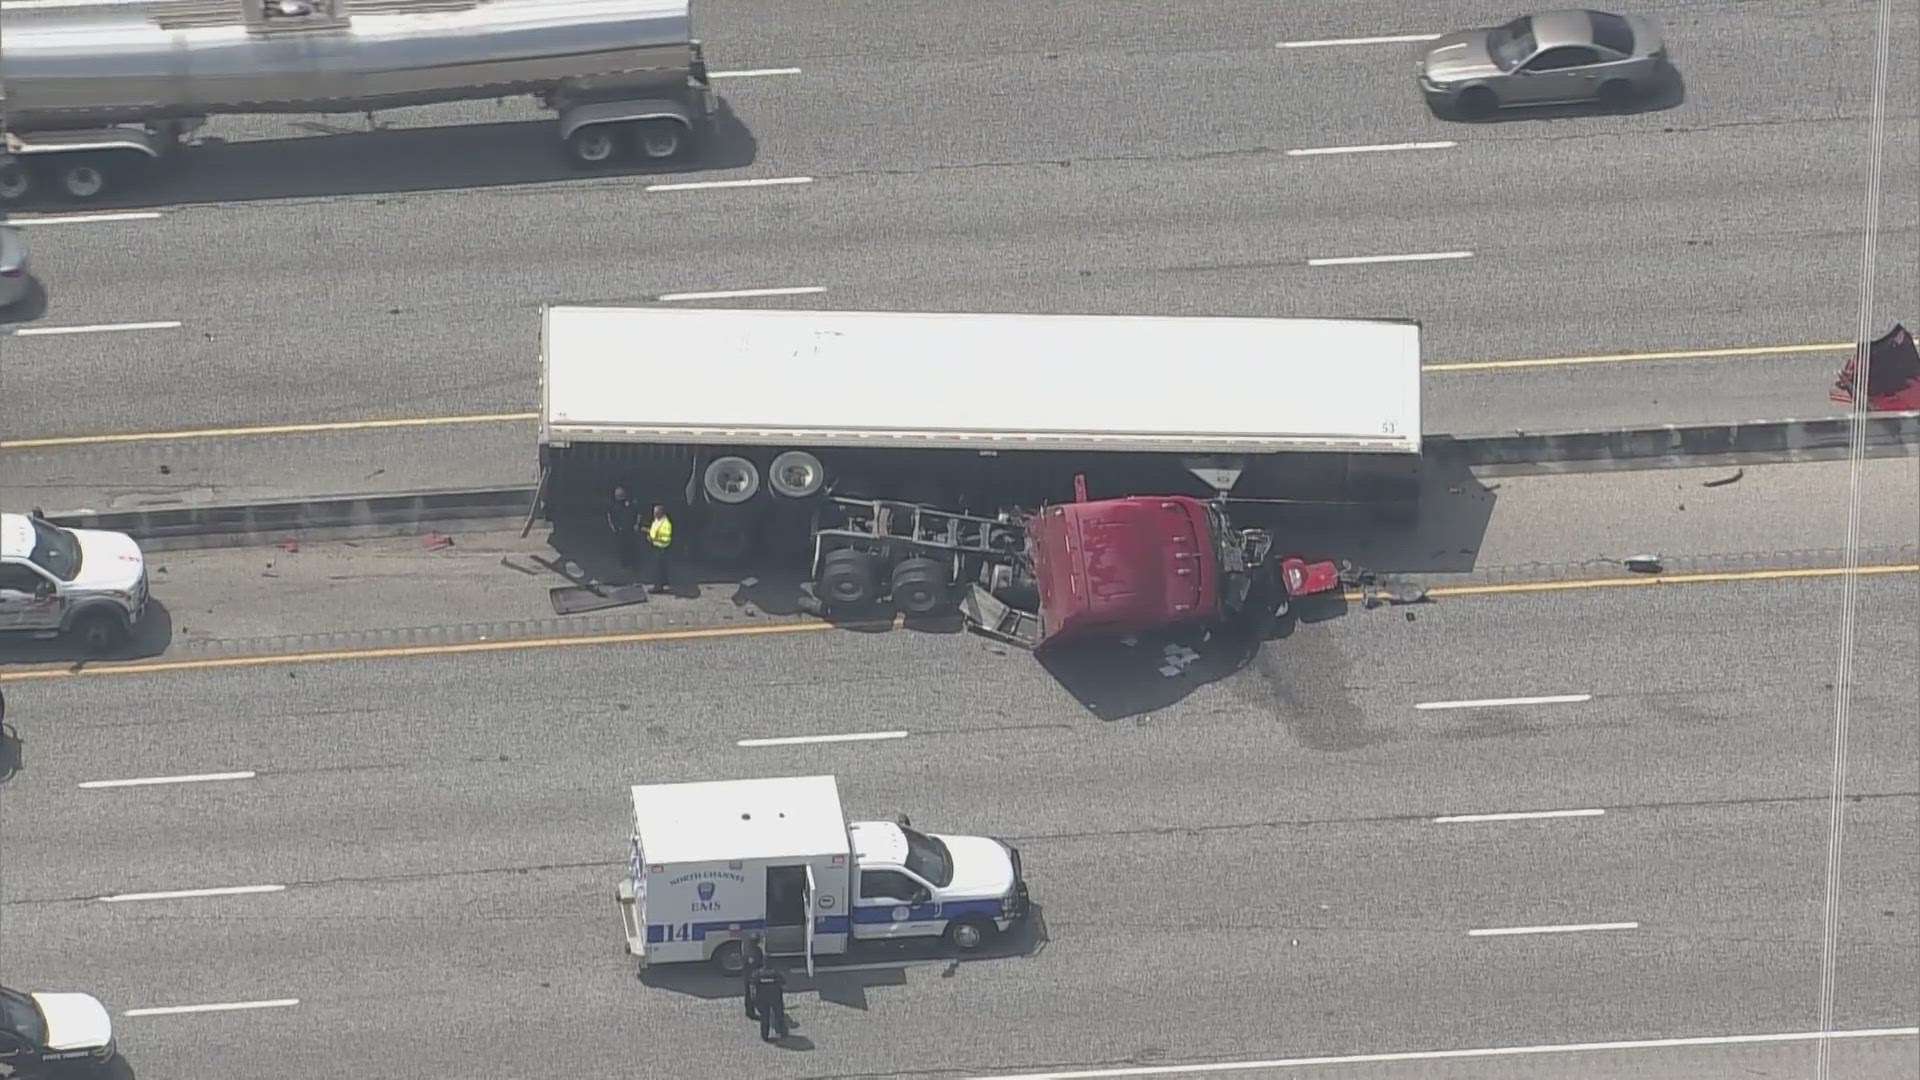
74, 63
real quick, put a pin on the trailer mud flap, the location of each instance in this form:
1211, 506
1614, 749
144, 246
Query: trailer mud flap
988, 615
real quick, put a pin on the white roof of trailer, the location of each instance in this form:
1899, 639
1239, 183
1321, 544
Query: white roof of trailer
1195, 384
712, 821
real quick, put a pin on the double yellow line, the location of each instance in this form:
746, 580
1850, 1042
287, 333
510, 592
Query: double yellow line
529, 417
646, 637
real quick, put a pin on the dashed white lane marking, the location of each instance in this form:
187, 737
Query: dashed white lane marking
1507, 931
1355, 260
144, 781
230, 1006
1526, 815
185, 894
1390, 39
98, 328
1375, 149
770, 182
796, 740
1488, 703
81, 219
753, 72
732, 293
1444, 1055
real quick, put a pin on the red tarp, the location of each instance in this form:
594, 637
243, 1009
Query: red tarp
1893, 374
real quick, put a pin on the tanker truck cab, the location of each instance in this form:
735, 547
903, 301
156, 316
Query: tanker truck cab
712, 864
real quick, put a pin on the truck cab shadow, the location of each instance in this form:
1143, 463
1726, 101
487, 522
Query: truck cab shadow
1455, 509
151, 639
845, 981
396, 161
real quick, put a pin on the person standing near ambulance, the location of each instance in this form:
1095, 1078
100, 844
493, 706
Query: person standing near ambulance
660, 537
752, 959
769, 996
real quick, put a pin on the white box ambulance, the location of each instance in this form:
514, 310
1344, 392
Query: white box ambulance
713, 863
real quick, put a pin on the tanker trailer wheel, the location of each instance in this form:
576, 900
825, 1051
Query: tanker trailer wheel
596, 146
16, 183
731, 480
86, 177
661, 140
849, 580
919, 585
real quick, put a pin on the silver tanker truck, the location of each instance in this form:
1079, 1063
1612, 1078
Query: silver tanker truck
93, 92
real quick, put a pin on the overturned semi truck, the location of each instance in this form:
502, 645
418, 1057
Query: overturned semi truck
929, 458
95, 93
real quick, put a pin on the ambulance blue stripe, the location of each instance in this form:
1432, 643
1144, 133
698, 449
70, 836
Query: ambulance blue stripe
657, 933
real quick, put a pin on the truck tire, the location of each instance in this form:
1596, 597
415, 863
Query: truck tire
597, 146
85, 177
17, 183
730, 480
971, 935
848, 579
796, 474
99, 632
920, 585
660, 140
728, 959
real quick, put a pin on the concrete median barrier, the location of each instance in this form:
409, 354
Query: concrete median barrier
214, 525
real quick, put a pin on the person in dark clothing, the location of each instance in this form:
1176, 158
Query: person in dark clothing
770, 999
752, 960
623, 520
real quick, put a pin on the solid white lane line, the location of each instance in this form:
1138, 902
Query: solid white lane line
796, 740
144, 781
78, 219
770, 182
184, 894
752, 72
1487, 703
1372, 149
230, 1006
100, 328
731, 293
1526, 815
1505, 931
1355, 260
1390, 39
1444, 1055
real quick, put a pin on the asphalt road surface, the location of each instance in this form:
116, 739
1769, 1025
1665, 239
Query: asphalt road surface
1002, 156
1253, 873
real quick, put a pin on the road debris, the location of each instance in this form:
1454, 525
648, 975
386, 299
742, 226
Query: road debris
1643, 564
1725, 480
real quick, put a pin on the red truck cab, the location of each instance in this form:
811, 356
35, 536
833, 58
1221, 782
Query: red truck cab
1114, 567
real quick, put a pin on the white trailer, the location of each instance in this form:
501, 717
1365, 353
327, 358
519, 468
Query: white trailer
713, 863
738, 408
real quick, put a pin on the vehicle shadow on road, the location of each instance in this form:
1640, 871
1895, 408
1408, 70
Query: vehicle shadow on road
30, 307
399, 160
1455, 509
13, 753
1670, 94
152, 638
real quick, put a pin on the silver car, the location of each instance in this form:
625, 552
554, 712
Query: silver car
16, 278
1552, 58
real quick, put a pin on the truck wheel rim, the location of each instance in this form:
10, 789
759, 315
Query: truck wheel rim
85, 181
967, 936
14, 182
595, 148
660, 145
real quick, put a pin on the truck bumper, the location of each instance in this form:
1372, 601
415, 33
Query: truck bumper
630, 921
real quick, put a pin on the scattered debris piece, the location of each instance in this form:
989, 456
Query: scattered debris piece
291, 547
1130, 641
749, 582
1643, 564
1725, 480
1170, 670
507, 561
166, 470
436, 541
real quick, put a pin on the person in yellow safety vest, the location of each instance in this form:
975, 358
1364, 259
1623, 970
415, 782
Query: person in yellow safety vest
660, 535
